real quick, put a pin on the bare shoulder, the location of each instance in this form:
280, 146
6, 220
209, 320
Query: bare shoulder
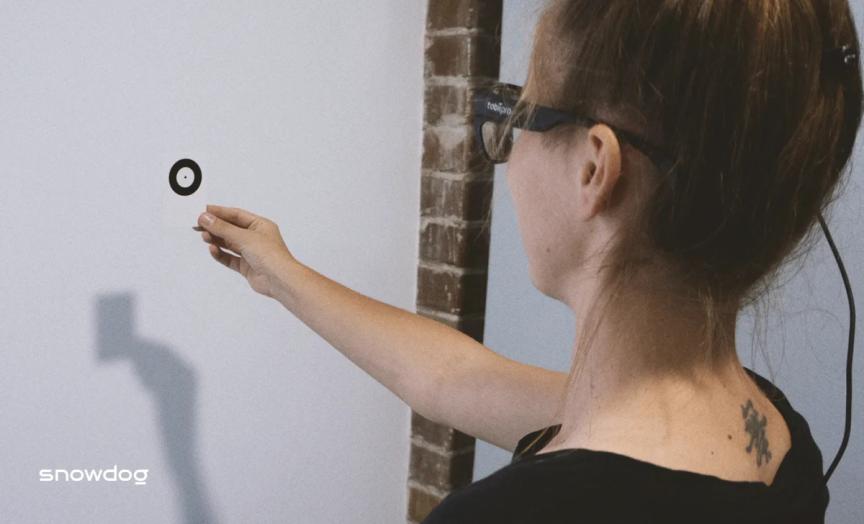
743, 439
738, 436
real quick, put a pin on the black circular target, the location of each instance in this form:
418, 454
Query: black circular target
196, 180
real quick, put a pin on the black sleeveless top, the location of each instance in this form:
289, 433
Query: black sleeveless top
591, 486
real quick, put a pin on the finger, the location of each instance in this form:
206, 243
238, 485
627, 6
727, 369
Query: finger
230, 234
210, 239
227, 259
216, 241
235, 215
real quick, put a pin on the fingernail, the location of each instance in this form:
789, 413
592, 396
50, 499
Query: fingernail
207, 218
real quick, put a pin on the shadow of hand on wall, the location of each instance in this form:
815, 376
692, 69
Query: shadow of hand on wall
172, 384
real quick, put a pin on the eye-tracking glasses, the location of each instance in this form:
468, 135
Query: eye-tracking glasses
494, 105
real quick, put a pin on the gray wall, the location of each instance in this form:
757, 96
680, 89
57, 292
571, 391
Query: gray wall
806, 328
123, 341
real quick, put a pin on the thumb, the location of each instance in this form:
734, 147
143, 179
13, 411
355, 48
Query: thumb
230, 234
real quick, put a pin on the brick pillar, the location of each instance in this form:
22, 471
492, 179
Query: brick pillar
462, 52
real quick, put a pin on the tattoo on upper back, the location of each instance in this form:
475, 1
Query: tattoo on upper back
756, 428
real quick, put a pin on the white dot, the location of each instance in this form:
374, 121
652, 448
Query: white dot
185, 177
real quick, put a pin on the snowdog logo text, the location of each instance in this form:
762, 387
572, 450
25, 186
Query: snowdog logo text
94, 475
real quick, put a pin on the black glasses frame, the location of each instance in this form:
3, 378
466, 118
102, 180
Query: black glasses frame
496, 103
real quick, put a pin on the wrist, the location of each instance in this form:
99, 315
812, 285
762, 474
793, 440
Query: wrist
285, 279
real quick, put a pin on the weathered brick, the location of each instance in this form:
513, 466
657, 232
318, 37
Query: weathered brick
421, 503
447, 105
440, 435
451, 292
457, 245
453, 149
481, 14
473, 326
442, 471
462, 55
462, 50
465, 199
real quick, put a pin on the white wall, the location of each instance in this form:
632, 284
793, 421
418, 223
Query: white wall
123, 341
807, 327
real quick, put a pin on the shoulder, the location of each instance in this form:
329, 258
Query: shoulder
552, 490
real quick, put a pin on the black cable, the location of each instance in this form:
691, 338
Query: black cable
848, 426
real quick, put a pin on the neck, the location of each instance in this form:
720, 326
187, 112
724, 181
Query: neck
648, 359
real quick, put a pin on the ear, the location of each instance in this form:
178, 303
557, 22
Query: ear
599, 172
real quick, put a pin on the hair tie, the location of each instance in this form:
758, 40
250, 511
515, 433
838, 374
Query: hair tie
843, 57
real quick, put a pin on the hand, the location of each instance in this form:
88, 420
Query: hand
257, 241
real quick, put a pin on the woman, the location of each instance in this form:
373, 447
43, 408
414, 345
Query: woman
673, 154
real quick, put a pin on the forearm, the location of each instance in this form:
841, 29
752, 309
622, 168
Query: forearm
407, 353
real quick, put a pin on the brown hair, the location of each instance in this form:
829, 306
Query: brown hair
759, 127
